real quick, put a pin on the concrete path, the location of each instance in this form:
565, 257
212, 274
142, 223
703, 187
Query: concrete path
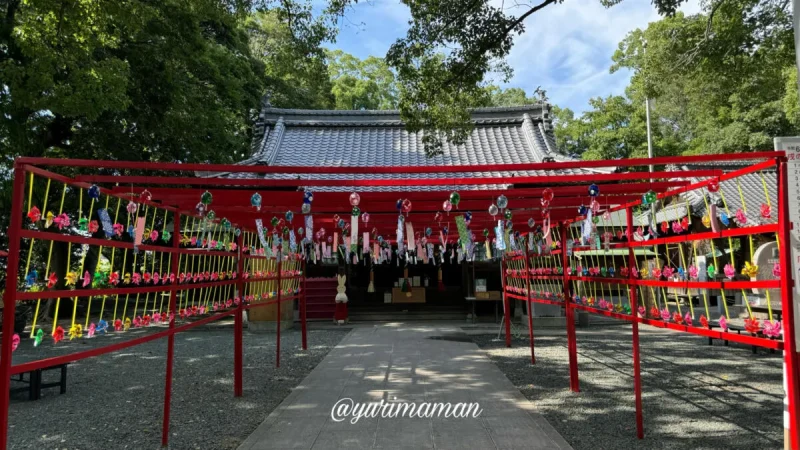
398, 362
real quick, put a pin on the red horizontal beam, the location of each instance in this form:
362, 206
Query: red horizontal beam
700, 184
237, 168
75, 239
722, 335
57, 360
400, 182
758, 284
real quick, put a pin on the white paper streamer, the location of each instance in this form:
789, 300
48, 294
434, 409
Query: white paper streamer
353, 234
309, 226
399, 235
500, 236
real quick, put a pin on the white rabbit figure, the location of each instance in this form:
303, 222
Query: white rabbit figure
340, 316
341, 297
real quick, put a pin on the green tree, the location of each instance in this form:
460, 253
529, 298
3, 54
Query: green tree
137, 80
719, 79
357, 84
449, 51
295, 69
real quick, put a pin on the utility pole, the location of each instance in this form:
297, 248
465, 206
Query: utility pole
647, 105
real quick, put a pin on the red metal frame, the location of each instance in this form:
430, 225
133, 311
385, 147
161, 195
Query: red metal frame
634, 302
619, 194
787, 303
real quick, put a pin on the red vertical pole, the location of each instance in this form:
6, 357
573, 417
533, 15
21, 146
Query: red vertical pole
530, 303
792, 376
303, 326
176, 239
9, 298
238, 323
572, 345
506, 306
634, 303
279, 264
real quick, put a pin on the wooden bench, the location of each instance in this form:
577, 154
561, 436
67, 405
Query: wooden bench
36, 384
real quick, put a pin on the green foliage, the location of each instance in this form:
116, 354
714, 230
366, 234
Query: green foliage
442, 62
513, 96
357, 84
295, 70
723, 81
136, 80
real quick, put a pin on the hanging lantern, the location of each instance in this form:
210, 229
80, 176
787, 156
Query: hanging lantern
365, 217
594, 190
447, 207
94, 192
289, 216
206, 198
531, 222
301, 231
406, 206
255, 201
508, 215
355, 212
274, 221
547, 194
131, 207
399, 204
582, 210
340, 223
200, 208
493, 211
308, 197
211, 215
649, 198
428, 232
713, 186
226, 224
305, 208
502, 202
455, 198
486, 232
355, 199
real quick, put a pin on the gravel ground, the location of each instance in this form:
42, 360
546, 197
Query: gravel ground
695, 396
116, 400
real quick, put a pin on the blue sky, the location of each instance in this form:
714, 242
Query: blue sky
566, 48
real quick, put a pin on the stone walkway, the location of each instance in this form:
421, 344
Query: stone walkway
405, 363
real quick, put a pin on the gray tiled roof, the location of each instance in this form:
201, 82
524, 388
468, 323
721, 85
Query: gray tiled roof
288, 137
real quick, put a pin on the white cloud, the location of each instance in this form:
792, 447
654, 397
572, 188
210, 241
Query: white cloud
566, 48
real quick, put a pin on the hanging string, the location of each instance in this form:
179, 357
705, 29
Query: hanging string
97, 265
714, 256
30, 252
730, 249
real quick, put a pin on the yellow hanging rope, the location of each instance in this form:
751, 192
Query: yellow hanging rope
714, 256
111, 266
733, 262
99, 256
30, 253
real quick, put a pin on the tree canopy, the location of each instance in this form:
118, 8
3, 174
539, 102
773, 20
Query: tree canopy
722, 81
361, 84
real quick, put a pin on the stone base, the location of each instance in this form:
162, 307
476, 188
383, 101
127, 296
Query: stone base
268, 327
545, 322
